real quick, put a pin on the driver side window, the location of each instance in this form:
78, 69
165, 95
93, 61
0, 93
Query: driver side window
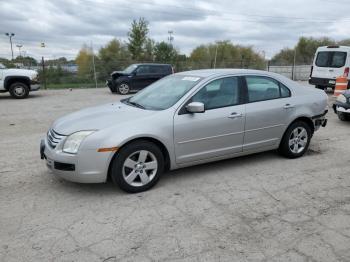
219, 93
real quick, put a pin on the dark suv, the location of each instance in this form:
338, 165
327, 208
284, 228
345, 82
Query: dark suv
137, 76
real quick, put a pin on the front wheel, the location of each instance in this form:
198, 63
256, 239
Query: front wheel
296, 140
138, 166
19, 90
123, 88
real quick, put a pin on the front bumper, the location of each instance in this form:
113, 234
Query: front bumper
88, 166
111, 85
320, 120
34, 85
341, 107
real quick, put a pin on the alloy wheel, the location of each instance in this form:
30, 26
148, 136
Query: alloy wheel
123, 89
140, 168
298, 140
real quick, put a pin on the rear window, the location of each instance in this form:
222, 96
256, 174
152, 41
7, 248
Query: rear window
160, 69
330, 59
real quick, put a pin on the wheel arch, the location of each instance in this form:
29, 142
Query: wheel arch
9, 80
304, 119
153, 140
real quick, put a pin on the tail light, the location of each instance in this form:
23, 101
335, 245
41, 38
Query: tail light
312, 69
346, 72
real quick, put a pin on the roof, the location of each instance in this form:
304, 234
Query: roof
152, 64
218, 72
333, 47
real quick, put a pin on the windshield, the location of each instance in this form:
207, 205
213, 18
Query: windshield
130, 69
163, 93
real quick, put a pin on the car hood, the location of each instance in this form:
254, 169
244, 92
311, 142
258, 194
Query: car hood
100, 117
20, 72
119, 73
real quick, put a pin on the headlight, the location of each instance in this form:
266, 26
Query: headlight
341, 99
72, 143
35, 77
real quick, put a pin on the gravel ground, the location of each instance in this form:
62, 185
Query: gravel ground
255, 208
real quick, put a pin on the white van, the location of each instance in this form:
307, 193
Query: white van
329, 63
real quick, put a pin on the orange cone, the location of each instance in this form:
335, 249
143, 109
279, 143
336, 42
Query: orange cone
341, 84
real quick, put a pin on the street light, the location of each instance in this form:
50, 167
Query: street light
10, 35
170, 38
19, 48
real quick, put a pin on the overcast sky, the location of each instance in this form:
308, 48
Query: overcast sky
267, 25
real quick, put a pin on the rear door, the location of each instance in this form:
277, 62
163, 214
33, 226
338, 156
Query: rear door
268, 110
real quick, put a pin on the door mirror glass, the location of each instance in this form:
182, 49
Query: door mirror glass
195, 107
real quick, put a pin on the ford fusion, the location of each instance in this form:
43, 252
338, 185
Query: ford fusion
184, 119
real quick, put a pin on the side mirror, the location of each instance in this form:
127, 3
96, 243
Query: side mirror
195, 107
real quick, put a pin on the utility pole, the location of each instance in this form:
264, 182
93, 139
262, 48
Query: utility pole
170, 38
10, 35
19, 51
294, 58
43, 65
93, 64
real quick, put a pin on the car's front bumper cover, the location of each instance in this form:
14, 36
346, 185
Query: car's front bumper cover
341, 107
88, 166
320, 120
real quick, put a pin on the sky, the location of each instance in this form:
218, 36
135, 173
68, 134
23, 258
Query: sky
266, 25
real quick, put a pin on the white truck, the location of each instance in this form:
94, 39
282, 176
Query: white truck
19, 82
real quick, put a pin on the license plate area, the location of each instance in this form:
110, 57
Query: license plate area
331, 82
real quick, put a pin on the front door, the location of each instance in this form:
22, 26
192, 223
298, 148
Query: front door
268, 110
142, 78
216, 132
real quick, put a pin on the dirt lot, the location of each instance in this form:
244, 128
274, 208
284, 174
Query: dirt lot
254, 208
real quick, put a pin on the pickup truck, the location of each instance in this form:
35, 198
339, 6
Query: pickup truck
18, 82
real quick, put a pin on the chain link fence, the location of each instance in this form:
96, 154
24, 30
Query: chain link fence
68, 75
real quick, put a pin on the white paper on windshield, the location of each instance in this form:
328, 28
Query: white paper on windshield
190, 78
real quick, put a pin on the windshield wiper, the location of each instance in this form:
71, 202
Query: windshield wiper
135, 104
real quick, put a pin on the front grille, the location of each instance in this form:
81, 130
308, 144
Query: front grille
53, 138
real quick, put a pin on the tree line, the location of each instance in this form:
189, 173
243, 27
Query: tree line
116, 54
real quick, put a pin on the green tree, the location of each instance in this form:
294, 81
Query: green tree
227, 55
114, 56
84, 62
284, 57
165, 53
304, 51
137, 37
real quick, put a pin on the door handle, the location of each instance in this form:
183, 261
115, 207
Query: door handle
235, 115
287, 106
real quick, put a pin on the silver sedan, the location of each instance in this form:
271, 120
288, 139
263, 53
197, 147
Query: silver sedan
182, 120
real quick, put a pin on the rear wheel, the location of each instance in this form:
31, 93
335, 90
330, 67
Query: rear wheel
296, 140
123, 89
343, 116
19, 90
138, 166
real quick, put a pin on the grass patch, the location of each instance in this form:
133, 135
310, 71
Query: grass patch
73, 85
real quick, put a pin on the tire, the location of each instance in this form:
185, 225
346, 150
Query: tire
132, 161
123, 88
296, 140
343, 116
19, 90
